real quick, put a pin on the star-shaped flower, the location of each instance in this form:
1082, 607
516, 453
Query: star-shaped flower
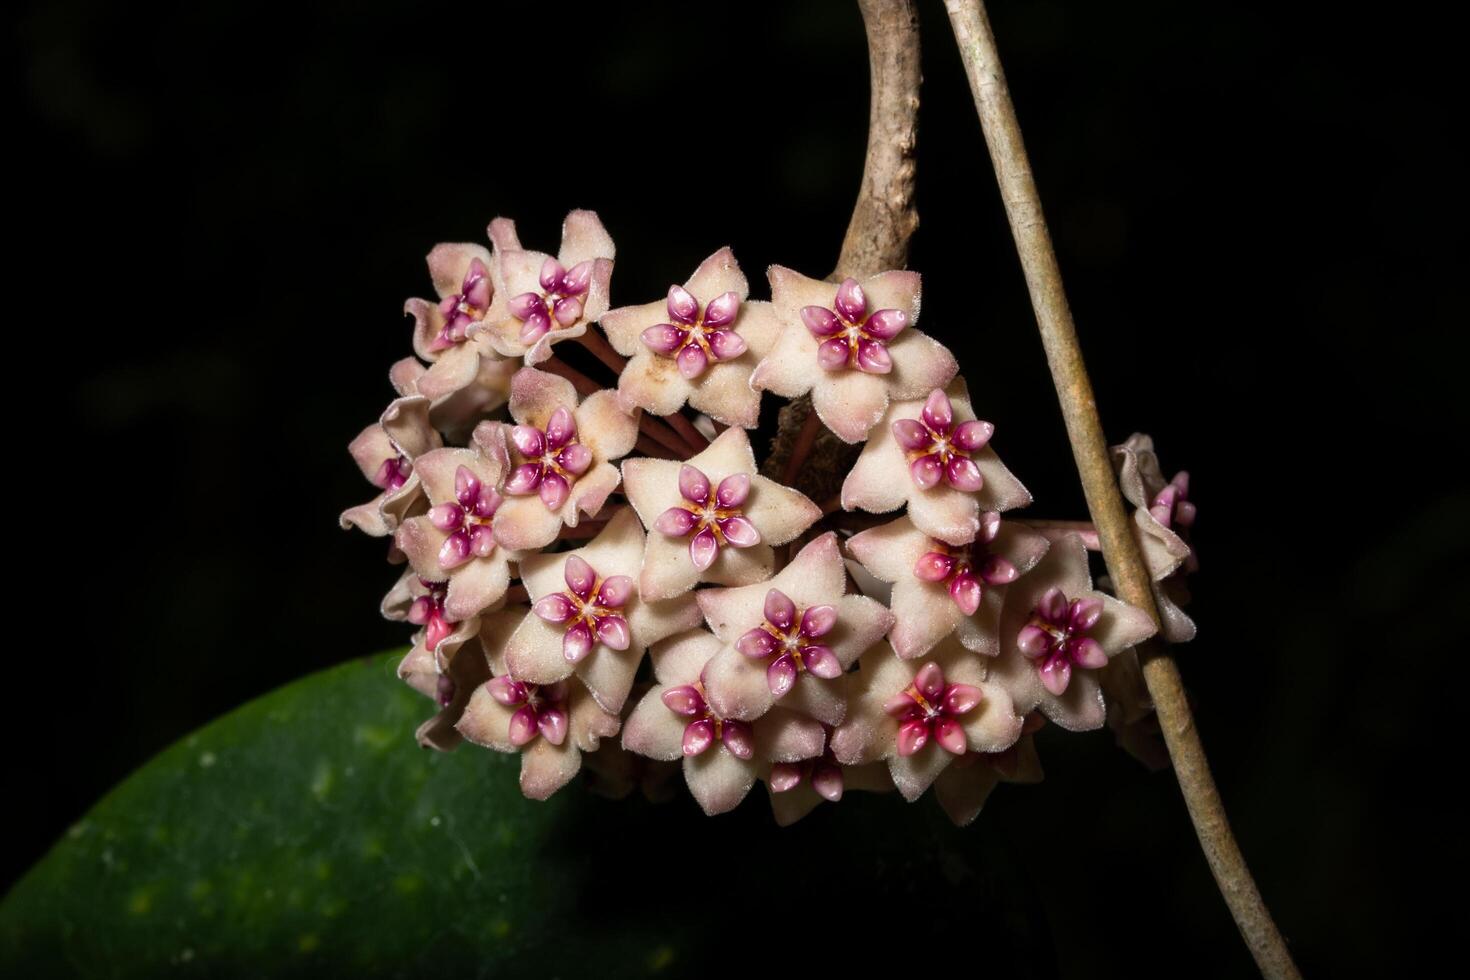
1162, 517
939, 588
965, 784
852, 346
385, 452
550, 726
588, 618
790, 638
932, 455
443, 330
563, 450
722, 756
1056, 632
456, 541
920, 717
456, 414
698, 346
449, 675
539, 299
712, 519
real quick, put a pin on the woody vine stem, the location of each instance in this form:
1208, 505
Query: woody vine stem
884, 218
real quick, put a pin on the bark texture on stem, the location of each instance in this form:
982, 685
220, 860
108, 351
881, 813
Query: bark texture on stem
1089, 446
884, 217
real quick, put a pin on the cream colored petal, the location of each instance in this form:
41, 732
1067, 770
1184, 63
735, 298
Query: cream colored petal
589, 493
920, 364
963, 788
790, 368
816, 576
861, 622
650, 622
524, 524
680, 659
477, 585
546, 768
653, 730
943, 512
486, 722
608, 674
849, 402
533, 652
736, 686
890, 551
583, 237
716, 275
784, 735
924, 615
913, 774
718, 780
534, 395
724, 393
604, 427
624, 326
780, 513
879, 481
653, 384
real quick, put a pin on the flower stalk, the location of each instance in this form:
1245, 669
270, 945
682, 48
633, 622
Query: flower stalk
1120, 549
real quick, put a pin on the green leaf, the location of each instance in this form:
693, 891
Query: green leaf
306, 833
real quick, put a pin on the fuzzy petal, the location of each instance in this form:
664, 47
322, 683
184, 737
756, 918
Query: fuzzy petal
718, 780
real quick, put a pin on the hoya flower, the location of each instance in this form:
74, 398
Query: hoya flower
852, 346
920, 717
712, 519
540, 299
1056, 632
965, 784
798, 788
455, 542
550, 725
940, 588
588, 618
699, 346
722, 756
1162, 517
563, 450
933, 455
456, 414
790, 638
385, 452
449, 675
442, 329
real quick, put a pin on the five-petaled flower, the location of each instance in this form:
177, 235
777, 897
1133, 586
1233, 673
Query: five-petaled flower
852, 346
550, 725
445, 332
798, 788
939, 588
589, 619
563, 452
790, 638
385, 452
889, 474
541, 299
722, 756
456, 540
1055, 623
699, 346
713, 519
1162, 517
920, 718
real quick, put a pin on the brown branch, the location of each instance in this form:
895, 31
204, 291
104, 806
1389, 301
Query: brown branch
884, 217
1055, 530
806, 436
598, 345
1089, 447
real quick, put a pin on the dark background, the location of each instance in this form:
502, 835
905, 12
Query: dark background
223, 206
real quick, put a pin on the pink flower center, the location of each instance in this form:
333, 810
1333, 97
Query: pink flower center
468, 520
850, 336
824, 774
966, 569
590, 607
789, 642
705, 728
428, 611
560, 299
937, 449
539, 709
554, 459
698, 336
393, 474
1171, 505
464, 308
711, 514
1056, 637
929, 708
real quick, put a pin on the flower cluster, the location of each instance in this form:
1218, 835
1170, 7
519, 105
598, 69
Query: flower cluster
600, 572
